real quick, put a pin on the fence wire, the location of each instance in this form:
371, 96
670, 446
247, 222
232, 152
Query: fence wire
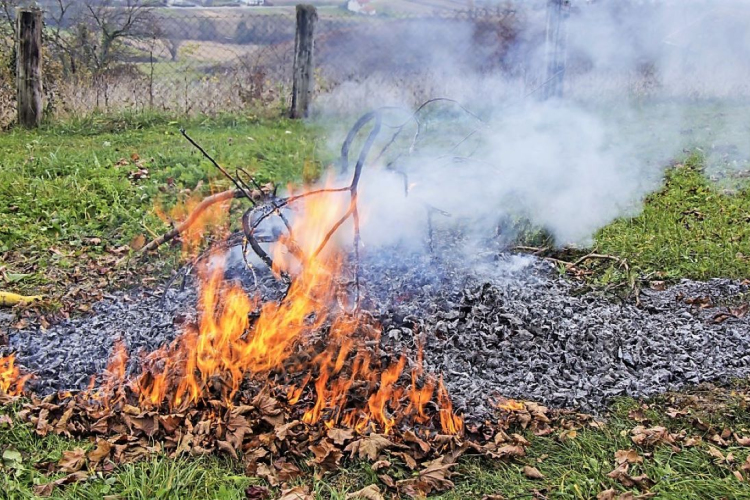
215, 60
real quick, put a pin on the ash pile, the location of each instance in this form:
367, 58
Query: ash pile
522, 332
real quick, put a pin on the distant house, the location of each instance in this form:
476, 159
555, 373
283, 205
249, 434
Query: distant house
360, 7
253, 2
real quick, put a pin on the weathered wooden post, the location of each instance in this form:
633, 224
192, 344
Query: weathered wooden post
29, 66
304, 43
556, 47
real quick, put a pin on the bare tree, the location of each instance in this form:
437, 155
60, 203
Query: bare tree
118, 20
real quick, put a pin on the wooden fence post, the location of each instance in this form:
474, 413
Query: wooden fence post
29, 66
556, 47
304, 43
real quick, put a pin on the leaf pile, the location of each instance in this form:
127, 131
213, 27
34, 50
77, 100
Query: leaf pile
266, 434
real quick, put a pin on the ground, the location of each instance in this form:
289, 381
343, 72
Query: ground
81, 195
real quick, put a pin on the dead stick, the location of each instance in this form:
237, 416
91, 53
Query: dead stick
185, 225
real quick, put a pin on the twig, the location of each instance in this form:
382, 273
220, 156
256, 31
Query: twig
185, 225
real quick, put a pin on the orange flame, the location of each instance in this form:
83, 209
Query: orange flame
212, 221
11, 380
225, 347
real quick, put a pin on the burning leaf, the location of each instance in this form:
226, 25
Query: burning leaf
72, 461
340, 436
371, 492
532, 472
628, 456
369, 447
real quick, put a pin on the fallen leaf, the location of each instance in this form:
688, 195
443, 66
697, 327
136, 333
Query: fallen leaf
610, 494
298, 493
256, 492
138, 242
341, 436
103, 447
714, 452
532, 473
371, 492
627, 456
742, 441
45, 490
380, 465
369, 447
73, 460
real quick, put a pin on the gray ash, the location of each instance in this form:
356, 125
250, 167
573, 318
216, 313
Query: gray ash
502, 324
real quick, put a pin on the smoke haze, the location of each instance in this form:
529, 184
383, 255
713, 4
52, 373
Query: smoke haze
645, 82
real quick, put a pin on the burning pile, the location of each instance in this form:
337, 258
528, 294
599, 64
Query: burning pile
283, 378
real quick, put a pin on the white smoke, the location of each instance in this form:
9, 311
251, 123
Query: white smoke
644, 81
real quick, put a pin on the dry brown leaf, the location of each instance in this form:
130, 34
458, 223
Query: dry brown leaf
610, 494
327, 456
627, 456
433, 478
371, 492
298, 493
138, 242
103, 447
387, 480
256, 492
493, 497
369, 447
380, 465
532, 473
715, 453
621, 475
507, 451
652, 436
225, 446
73, 460
738, 475
742, 441
408, 459
341, 436
45, 490
638, 415
286, 471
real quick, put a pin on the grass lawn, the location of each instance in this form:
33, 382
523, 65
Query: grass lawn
74, 194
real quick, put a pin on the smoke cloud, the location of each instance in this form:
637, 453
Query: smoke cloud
644, 82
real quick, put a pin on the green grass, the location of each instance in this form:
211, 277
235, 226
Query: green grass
67, 190
691, 228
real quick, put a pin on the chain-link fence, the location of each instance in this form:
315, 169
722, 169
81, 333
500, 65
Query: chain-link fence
222, 59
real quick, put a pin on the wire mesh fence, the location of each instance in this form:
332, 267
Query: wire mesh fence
215, 60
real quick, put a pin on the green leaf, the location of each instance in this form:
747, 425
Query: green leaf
16, 277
